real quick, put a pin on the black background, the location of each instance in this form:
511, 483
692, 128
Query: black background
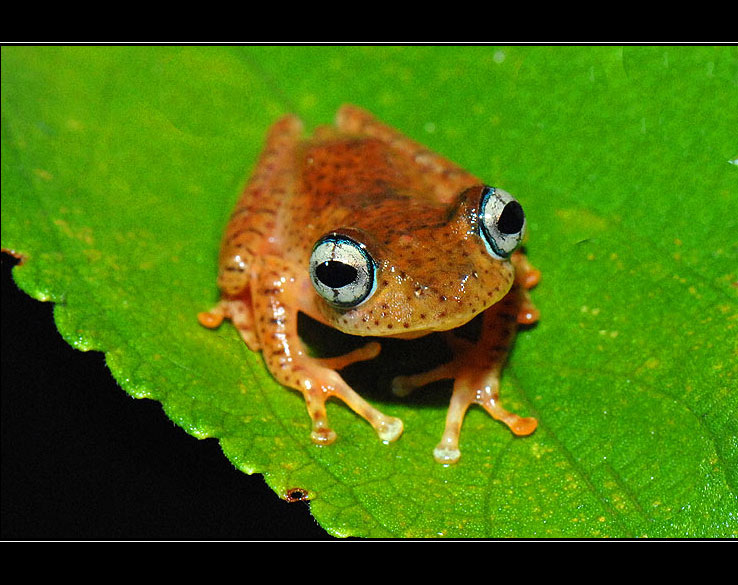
82, 460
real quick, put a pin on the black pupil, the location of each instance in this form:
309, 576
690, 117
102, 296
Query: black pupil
511, 218
335, 274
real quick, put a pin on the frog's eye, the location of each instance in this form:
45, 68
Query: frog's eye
502, 222
342, 271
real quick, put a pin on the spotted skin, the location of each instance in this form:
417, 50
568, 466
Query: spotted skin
417, 214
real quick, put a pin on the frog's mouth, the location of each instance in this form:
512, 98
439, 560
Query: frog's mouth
415, 326
423, 331
410, 335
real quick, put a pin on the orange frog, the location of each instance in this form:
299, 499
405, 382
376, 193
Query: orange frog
369, 232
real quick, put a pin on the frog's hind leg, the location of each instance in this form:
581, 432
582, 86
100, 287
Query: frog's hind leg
256, 214
443, 176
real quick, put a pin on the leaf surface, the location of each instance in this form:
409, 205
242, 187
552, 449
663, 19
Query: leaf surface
120, 166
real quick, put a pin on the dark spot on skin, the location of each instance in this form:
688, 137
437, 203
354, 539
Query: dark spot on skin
296, 495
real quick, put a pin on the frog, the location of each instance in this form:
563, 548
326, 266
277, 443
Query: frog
366, 231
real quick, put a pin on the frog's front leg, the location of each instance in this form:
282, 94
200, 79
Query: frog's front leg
475, 369
275, 294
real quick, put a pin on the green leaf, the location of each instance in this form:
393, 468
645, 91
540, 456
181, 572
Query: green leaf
120, 166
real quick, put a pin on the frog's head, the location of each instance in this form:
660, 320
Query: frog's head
426, 269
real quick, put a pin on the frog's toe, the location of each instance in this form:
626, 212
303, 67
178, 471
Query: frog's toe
519, 425
212, 318
528, 313
444, 454
389, 429
524, 426
322, 435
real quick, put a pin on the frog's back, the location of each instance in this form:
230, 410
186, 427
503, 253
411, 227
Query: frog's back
303, 188
354, 174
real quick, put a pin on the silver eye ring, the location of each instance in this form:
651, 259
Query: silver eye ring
342, 270
502, 222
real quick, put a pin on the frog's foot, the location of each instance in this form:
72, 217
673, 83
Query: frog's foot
388, 428
472, 385
322, 384
485, 394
